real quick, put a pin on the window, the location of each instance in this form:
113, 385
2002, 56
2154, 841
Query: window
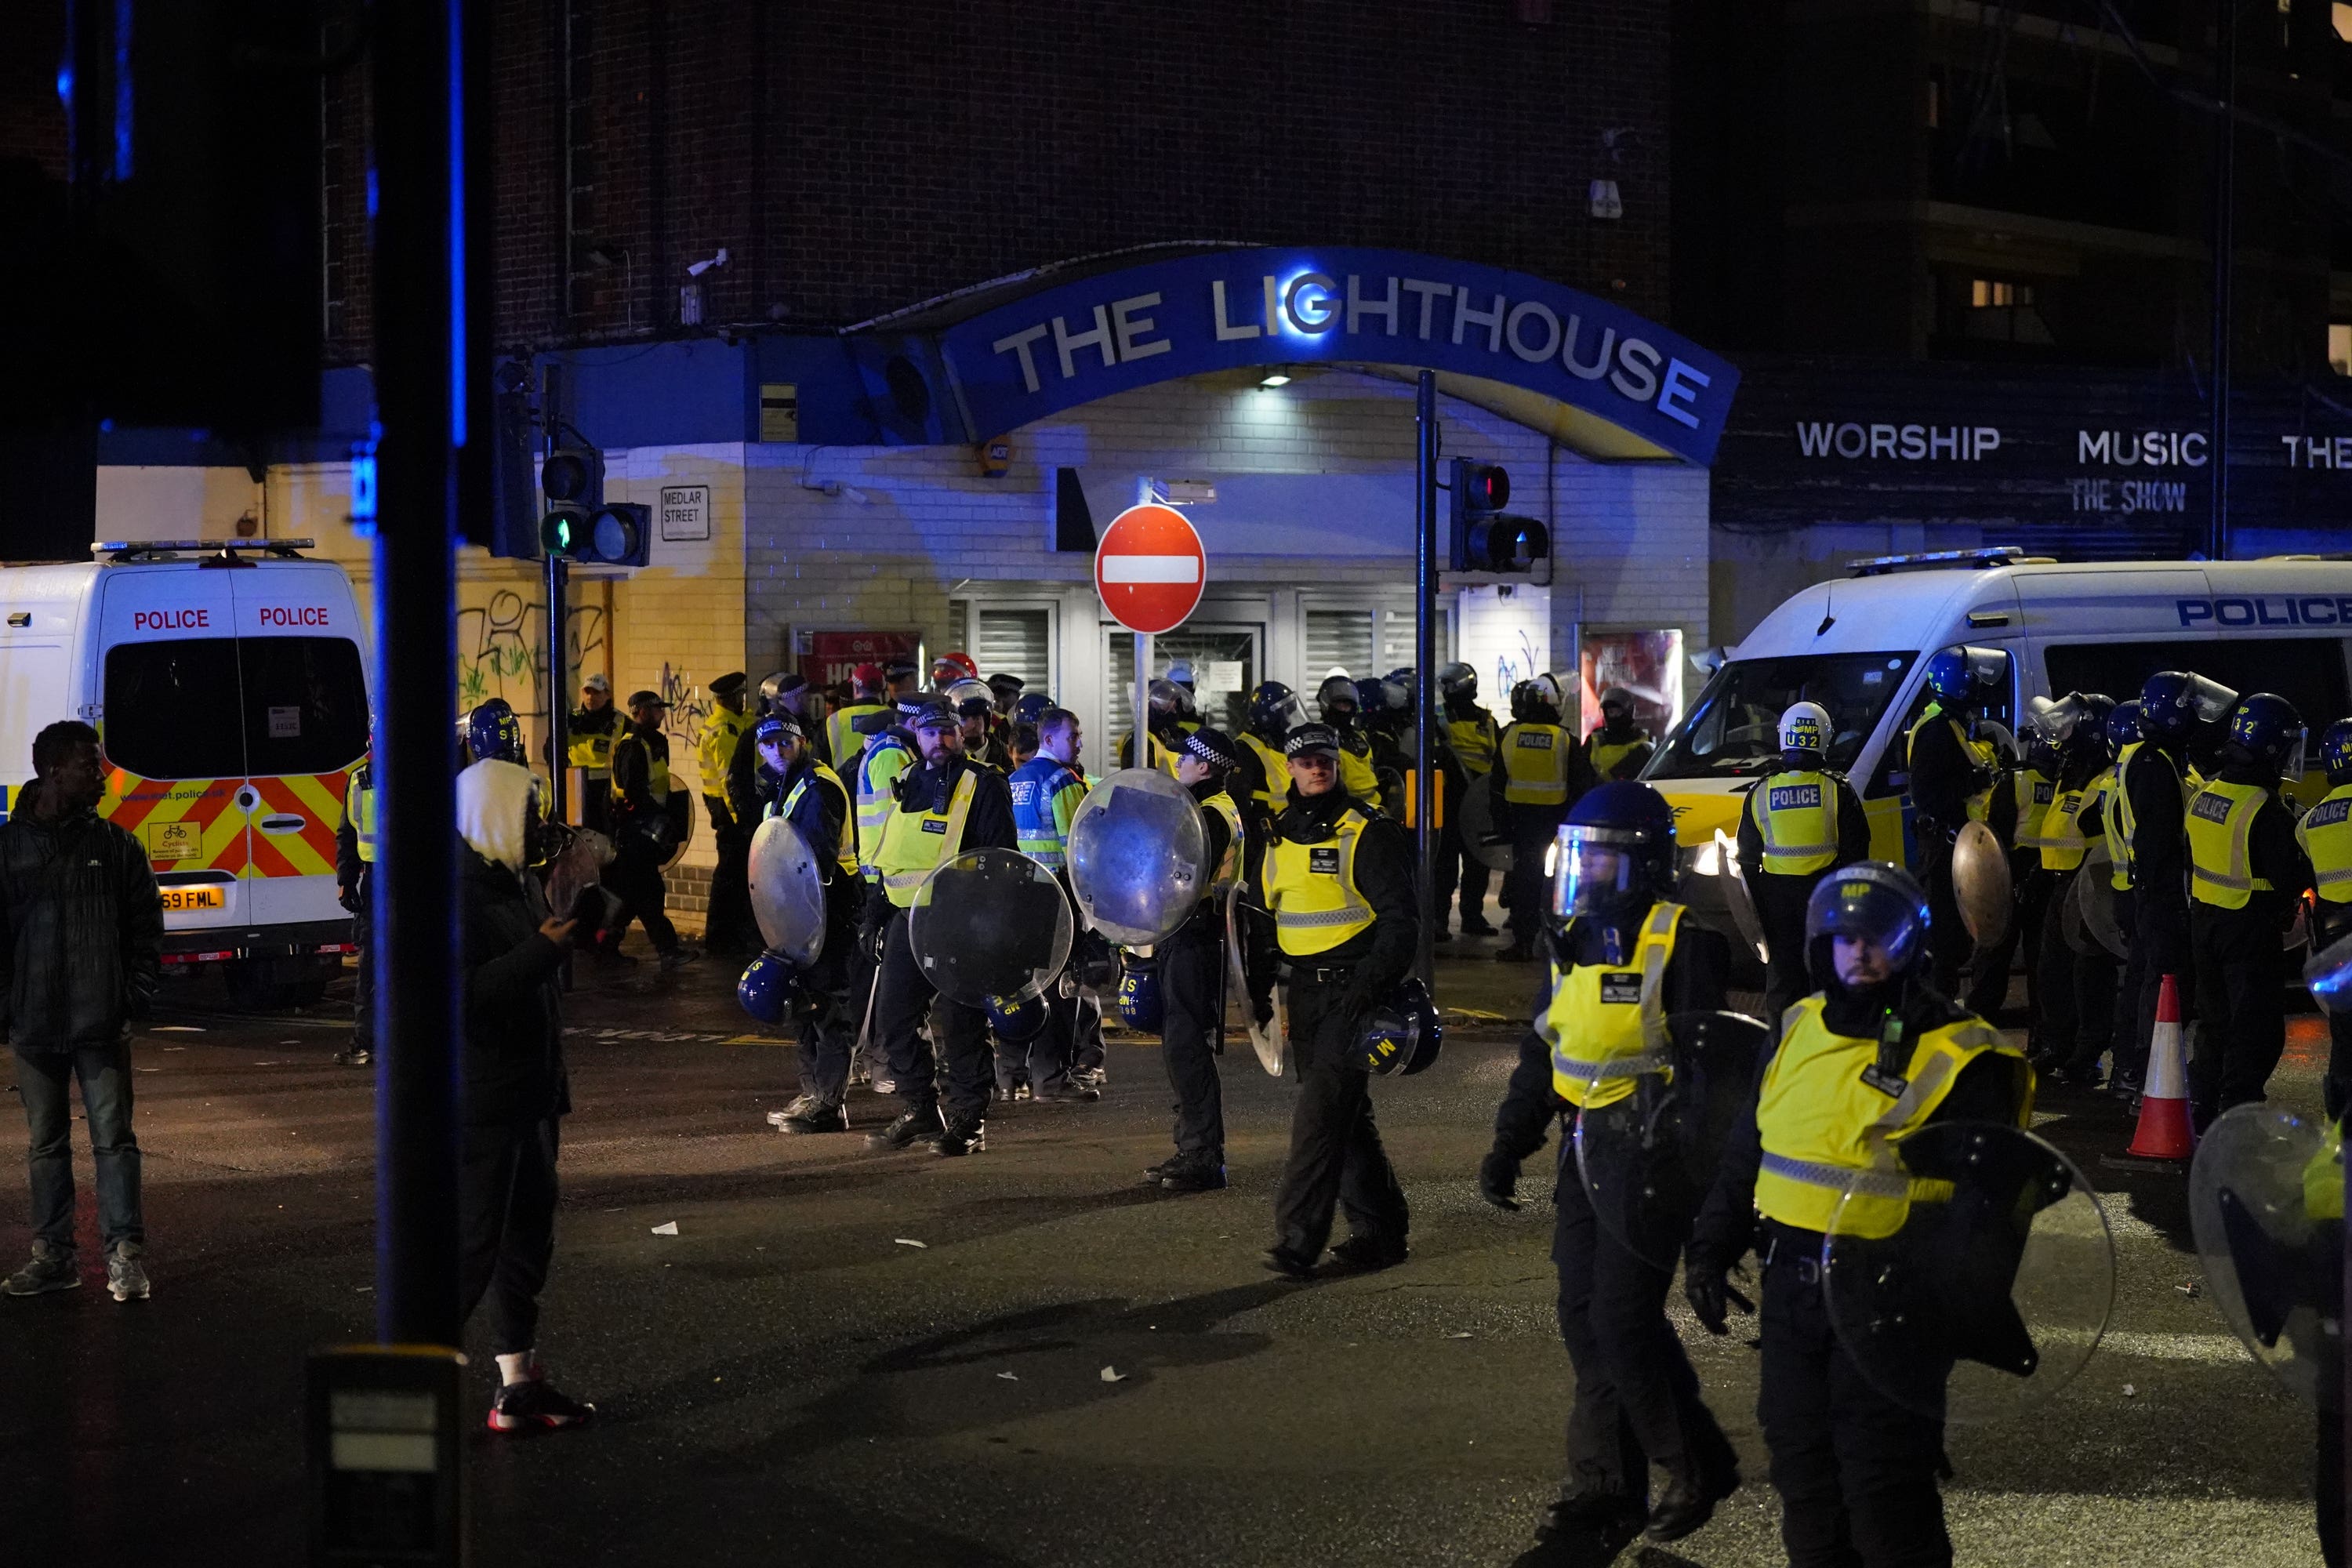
217, 708
2002, 310
304, 705
1734, 728
1225, 670
2339, 347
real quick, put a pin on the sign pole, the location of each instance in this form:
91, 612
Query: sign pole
1142, 698
555, 412
1425, 675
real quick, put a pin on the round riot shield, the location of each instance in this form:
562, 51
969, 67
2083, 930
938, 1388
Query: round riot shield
1972, 1278
576, 870
2093, 901
990, 924
1653, 1128
2266, 1203
2329, 973
1732, 878
1478, 827
1138, 857
1980, 884
787, 891
678, 831
1270, 1040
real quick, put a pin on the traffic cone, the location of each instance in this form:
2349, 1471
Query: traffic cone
2163, 1133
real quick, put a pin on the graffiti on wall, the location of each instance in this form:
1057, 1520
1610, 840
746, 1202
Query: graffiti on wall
502, 651
688, 707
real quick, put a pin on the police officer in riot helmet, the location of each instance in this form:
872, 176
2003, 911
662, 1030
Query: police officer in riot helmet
1466, 738
493, 733
750, 788
1340, 703
983, 740
1801, 823
1874, 1052
1540, 774
812, 797
1952, 774
1260, 784
1620, 748
2025, 786
1047, 791
1637, 1400
1338, 878
1386, 708
1168, 719
2073, 1000
2325, 834
2246, 875
1192, 974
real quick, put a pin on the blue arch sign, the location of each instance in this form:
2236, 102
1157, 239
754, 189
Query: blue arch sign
1114, 331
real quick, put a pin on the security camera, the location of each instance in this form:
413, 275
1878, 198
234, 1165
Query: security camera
698, 269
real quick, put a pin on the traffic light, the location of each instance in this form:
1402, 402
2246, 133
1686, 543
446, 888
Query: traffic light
579, 524
1483, 537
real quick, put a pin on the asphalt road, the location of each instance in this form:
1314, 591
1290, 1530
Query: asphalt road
1069, 1369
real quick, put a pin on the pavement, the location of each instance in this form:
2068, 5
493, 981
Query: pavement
1023, 1357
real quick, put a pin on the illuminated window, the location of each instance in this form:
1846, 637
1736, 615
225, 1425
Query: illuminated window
2340, 342
1989, 293
2341, 15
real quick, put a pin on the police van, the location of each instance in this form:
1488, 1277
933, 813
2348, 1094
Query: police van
1859, 647
227, 681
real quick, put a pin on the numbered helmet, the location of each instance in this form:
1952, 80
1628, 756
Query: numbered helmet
2174, 702
1873, 902
2335, 752
493, 733
1138, 994
1804, 734
769, 987
1615, 853
2266, 729
1017, 1020
1617, 702
1273, 711
1961, 676
1403, 1035
2123, 724
1457, 679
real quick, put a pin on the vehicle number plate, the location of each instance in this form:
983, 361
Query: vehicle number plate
177, 898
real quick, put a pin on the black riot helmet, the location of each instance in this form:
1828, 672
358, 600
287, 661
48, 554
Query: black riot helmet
1273, 711
1873, 901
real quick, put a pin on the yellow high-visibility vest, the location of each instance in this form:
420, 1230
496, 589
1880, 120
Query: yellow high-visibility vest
2061, 839
1311, 889
590, 751
1229, 865
359, 805
845, 853
1980, 752
886, 758
1796, 814
2034, 795
1275, 768
1607, 754
1534, 764
722, 733
2326, 834
1356, 775
844, 742
1606, 1024
913, 842
1474, 741
1826, 1130
2220, 830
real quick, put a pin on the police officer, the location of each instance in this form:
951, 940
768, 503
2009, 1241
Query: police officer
1532, 790
2024, 790
1260, 785
2074, 1003
1338, 879
1619, 749
728, 928
1799, 824
1340, 703
1952, 786
2153, 783
889, 751
1047, 793
589, 735
643, 833
1874, 1054
1468, 739
812, 798
2325, 835
493, 733
1191, 975
2246, 873
868, 695
1005, 688
1168, 719
982, 727
941, 806
2123, 733
1624, 958
950, 667
354, 886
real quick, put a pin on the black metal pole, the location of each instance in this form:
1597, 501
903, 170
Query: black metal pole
559, 688
1424, 674
2225, 204
421, 402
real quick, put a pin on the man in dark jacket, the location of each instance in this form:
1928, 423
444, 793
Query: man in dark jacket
511, 951
81, 949
643, 833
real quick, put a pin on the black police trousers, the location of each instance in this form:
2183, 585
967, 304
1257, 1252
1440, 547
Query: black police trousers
902, 997
2075, 1018
364, 986
1458, 866
1192, 996
2160, 929
505, 1226
729, 926
1637, 1399
2241, 976
2327, 1488
2334, 922
1533, 828
830, 1014
1855, 1471
1335, 1158
1043, 1061
1948, 942
634, 877
1781, 899
1988, 983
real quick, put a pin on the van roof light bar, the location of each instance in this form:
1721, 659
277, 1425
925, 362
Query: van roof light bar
140, 549
1981, 558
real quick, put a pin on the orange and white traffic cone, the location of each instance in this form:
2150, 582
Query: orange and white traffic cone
2163, 1133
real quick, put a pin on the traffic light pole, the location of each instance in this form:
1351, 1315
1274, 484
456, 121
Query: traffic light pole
1424, 673
559, 691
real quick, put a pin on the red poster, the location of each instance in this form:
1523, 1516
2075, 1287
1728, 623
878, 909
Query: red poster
827, 658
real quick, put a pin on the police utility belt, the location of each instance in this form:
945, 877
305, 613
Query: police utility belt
1798, 1251
1319, 974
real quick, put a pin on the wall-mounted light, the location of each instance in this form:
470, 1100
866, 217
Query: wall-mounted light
1278, 379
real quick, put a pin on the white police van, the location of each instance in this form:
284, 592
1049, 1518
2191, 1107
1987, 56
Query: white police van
226, 680
1859, 647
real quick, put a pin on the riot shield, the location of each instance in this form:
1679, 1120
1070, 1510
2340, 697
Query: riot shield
1271, 1040
576, 870
2091, 901
2265, 1202
677, 832
1138, 857
1652, 1129
1972, 1278
990, 923
787, 891
1732, 878
1478, 826
1980, 884
2329, 973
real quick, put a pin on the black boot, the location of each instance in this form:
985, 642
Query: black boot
1201, 1173
818, 1117
1370, 1252
917, 1125
964, 1135
1689, 1500
1603, 1510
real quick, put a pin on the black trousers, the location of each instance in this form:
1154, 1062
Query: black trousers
1988, 985
1855, 1471
728, 927
596, 809
2242, 978
2159, 947
1042, 1061
901, 999
634, 877
2075, 1021
505, 1226
1637, 1399
828, 1023
1780, 902
1457, 866
2327, 1489
2334, 921
363, 987
1335, 1158
1948, 942
1533, 827
1192, 992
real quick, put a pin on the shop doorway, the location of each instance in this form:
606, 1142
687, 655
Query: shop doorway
1226, 660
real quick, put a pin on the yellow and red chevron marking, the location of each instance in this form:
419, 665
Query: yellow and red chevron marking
144, 806
318, 799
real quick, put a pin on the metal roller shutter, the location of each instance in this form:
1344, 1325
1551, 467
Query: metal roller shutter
1340, 639
1015, 642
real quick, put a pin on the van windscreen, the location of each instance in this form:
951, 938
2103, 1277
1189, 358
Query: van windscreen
215, 708
1734, 728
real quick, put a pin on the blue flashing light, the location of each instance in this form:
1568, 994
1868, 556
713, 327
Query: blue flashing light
122, 88
66, 85
363, 482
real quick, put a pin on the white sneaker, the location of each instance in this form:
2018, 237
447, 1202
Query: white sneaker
800, 1106
125, 1275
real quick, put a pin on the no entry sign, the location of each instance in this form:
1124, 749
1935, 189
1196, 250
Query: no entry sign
1150, 569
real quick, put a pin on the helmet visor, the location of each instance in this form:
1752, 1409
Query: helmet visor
1596, 870
2210, 699
1872, 903
2055, 721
